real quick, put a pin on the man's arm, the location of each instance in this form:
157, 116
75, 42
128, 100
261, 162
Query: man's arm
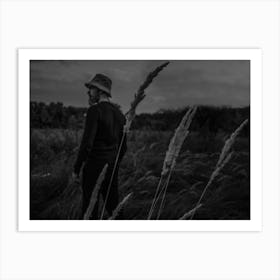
88, 137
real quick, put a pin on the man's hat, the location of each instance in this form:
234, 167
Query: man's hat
102, 82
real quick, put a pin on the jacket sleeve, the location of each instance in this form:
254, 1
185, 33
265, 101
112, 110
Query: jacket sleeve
88, 137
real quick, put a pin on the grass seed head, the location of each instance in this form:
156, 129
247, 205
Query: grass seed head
140, 95
120, 206
177, 141
190, 213
95, 192
229, 143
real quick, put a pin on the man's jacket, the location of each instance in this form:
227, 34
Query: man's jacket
102, 134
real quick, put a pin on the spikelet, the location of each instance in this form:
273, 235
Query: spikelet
229, 142
221, 166
177, 141
190, 213
140, 95
172, 153
94, 195
224, 158
120, 206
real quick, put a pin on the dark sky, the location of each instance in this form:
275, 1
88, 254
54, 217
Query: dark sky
181, 83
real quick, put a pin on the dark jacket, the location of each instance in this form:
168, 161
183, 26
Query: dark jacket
102, 134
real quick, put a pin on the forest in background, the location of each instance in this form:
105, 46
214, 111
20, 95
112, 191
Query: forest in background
56, 133
208, 119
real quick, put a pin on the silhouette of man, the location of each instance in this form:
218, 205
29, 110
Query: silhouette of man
102, 135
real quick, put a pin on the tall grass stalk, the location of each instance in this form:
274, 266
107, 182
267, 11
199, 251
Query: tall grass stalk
164, 194
224, 158
212, 177
172, 153
111, 179
140, 95
229, 142
95, 192
130, 115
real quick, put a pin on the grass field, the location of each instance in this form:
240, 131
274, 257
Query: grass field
53, 154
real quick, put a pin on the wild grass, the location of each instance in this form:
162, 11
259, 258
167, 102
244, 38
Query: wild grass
130, 115
224, 158
57, 201
120, 207
170, 159
94, 196
228, 198
140, 95
190, 213
65, 203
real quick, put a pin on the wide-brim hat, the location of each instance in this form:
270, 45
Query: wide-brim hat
102, 82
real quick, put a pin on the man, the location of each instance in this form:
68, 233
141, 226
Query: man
100, 143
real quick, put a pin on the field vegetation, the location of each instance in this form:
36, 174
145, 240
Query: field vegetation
202, 170
53, 151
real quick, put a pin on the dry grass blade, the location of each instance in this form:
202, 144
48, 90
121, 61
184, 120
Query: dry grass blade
140, 95
67, 206
213, 176
164, 189
120, 206
177, 141
94, 195
229, 143
172, 153
190, 213
225, 156
130, 115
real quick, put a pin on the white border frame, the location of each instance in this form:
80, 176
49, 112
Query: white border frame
24, 57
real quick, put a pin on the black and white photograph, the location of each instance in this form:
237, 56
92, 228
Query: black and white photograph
140, 139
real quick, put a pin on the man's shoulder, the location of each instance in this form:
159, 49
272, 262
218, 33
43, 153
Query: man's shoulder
116, 107
93, 109
104, 106
120, 112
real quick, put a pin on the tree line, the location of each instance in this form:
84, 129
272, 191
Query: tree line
208, 119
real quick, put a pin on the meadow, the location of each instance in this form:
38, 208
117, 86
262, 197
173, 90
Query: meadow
53, 152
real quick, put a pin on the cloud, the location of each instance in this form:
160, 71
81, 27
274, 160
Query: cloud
157, 98
181, 83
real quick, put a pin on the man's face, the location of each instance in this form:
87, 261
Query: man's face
93, 95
